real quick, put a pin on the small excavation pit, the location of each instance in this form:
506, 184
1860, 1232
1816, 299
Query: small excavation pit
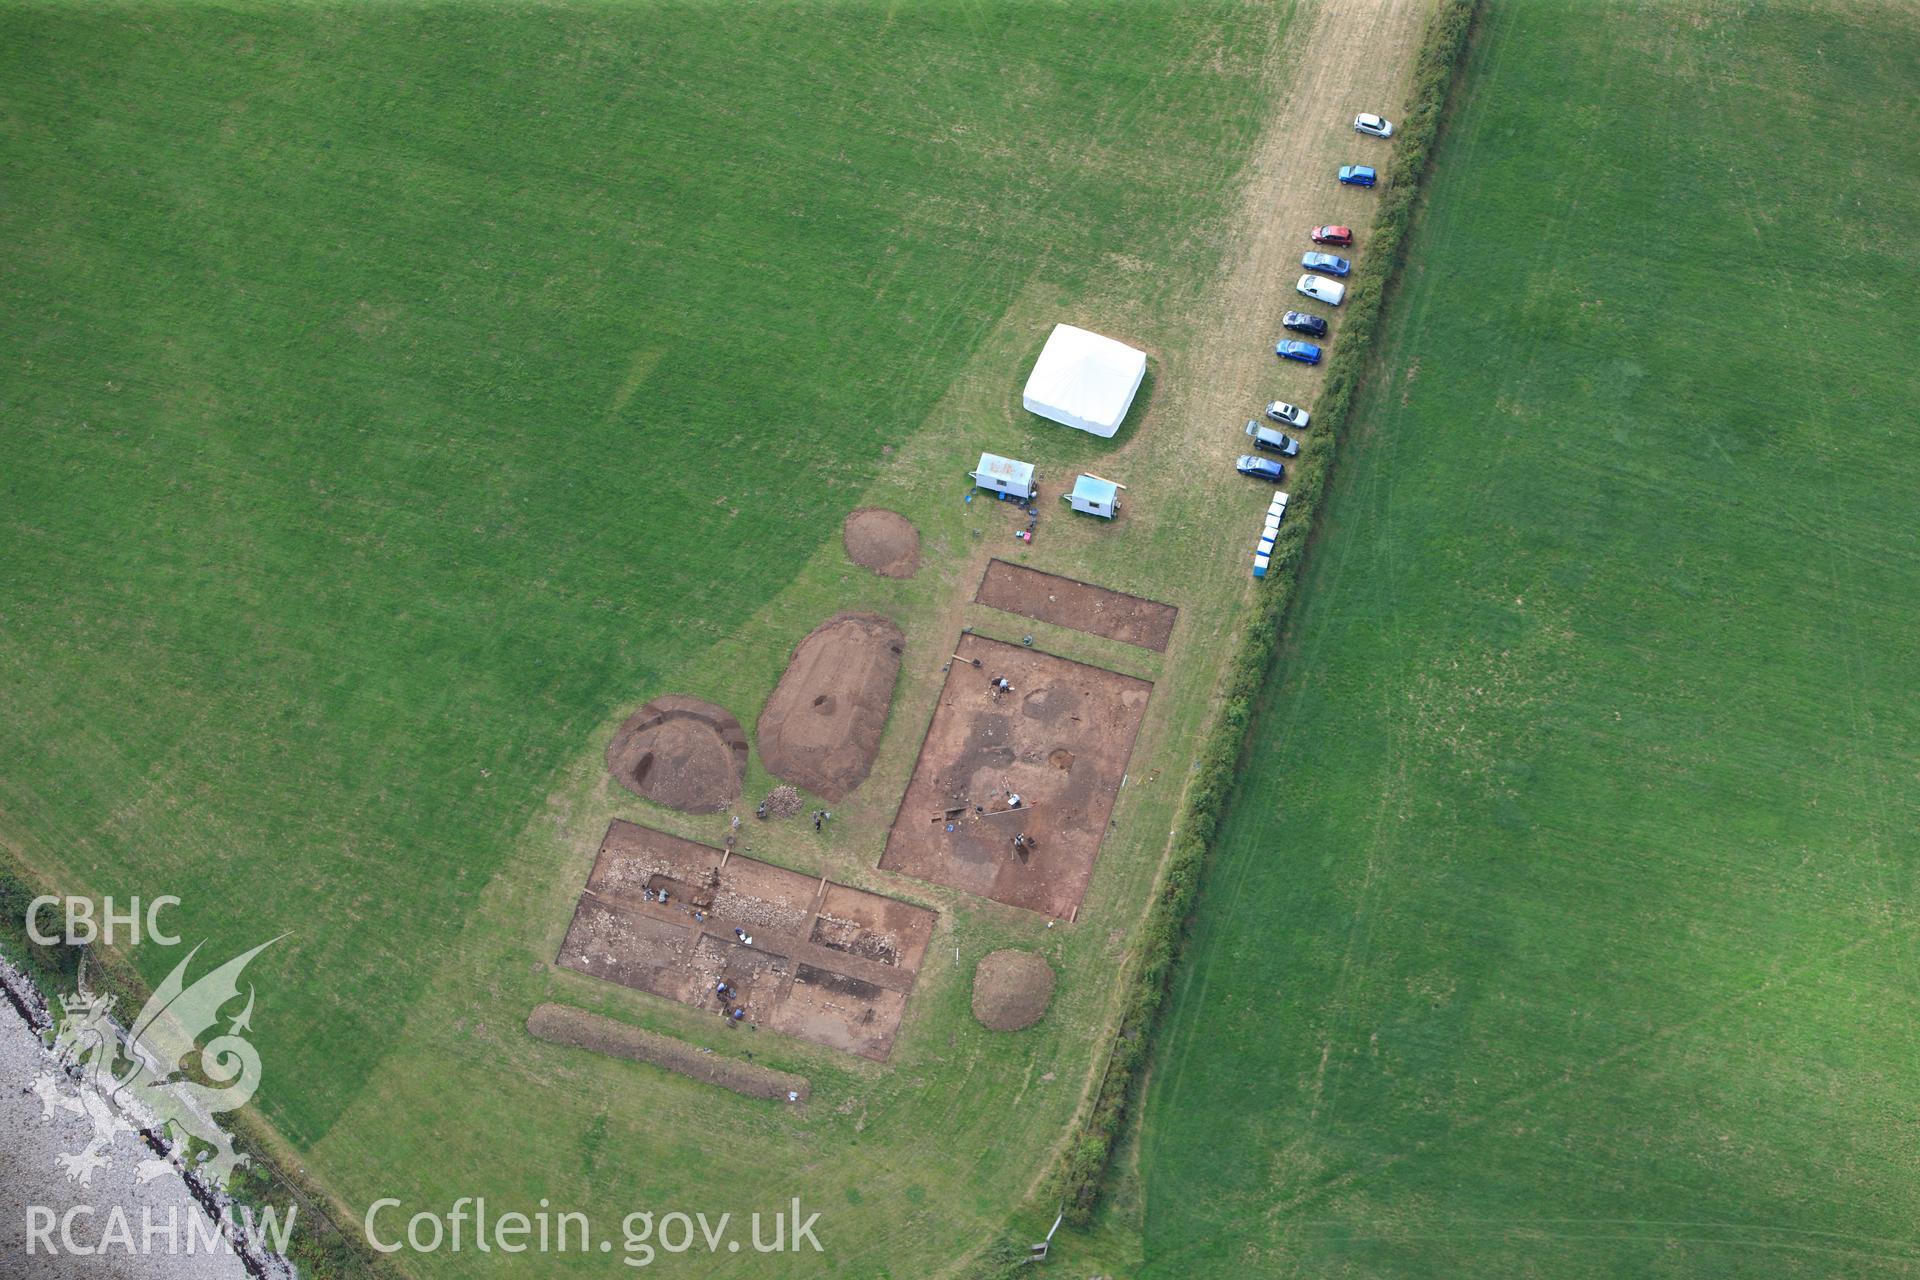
1011, 990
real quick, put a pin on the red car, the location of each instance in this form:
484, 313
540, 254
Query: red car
1333, 235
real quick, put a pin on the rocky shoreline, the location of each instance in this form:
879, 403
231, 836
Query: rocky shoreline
143, 1215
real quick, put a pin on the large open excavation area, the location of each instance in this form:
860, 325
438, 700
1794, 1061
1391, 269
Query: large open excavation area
817, 960
1058, 737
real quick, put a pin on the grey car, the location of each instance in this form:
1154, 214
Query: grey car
1271, 441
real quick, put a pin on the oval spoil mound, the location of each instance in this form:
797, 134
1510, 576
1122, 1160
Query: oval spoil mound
821, 728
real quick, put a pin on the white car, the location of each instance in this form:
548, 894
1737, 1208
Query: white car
1292, 415
1378, 126
1321, 289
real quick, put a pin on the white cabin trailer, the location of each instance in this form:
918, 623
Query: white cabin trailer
1005, 476
1094, 496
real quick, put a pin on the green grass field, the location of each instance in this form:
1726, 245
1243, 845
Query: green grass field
397, 395
1565, 924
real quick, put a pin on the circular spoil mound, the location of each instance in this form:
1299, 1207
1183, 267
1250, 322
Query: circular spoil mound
681, 752
883, 541
1011, 990
821, 727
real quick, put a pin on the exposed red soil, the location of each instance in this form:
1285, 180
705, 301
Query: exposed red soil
681, 752
1060, 739
1079, 605
821, 728
883, 541
827, 963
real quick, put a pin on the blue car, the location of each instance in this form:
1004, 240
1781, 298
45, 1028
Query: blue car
1325, 262
1357, 175
1260, 468
1304, 352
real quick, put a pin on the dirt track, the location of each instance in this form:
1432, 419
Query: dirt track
1338, 60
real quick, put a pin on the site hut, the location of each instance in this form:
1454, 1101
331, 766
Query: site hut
1084, 381
1006, 477
1094, 496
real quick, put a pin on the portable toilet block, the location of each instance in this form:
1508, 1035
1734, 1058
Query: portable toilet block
1005, 476
1259, 566
1265, 548
1094, 496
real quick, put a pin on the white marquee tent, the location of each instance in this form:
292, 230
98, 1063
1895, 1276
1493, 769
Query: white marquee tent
1084, 380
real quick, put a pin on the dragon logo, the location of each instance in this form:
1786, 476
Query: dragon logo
158, 1072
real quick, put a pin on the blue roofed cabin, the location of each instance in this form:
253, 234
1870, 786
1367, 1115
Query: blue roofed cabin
1094, 496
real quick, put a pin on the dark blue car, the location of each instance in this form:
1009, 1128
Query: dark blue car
1304, 322
1260, 468
1325, 262
1357, 175
1304, 352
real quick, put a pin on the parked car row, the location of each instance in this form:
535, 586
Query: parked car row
1322, 282
1321, 289
1362, 175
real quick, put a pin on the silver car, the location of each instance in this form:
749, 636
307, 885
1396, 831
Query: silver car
1378, 126
1293, 415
